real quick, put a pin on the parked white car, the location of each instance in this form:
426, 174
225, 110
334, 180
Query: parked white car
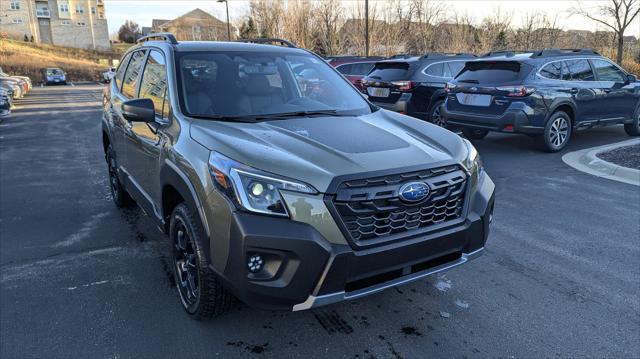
108, 75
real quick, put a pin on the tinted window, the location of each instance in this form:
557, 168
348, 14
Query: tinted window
580, 70
436, 70
130, 82
391, 71
121, 69
344, 69
454, 68
607, 71
154, 80
261, 83
552, 71
361, 69
492, 72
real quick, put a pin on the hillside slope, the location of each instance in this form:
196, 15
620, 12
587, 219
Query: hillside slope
28, 59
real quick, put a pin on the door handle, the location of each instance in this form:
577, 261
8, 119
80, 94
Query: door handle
607, 90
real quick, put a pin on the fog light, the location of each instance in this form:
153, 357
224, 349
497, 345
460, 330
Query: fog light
255, 263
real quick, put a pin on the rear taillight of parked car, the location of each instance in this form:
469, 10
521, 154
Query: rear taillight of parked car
404, 86
516, 91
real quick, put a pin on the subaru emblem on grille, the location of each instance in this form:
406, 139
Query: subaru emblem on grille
413, 192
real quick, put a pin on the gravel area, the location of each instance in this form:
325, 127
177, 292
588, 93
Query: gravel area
628, 156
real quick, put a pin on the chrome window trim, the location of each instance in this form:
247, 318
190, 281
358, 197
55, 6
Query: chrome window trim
578, 58
439, 62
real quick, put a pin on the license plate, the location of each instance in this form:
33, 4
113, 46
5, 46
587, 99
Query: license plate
57, 80
473, 99
378, 91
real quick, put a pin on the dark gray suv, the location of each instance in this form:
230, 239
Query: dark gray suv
278, 183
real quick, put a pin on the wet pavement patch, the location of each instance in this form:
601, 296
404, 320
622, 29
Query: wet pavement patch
408, 330
332, 322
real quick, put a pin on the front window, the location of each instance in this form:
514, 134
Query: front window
236, 84
608, 72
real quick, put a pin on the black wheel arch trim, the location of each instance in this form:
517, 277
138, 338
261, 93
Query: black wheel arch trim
438, 95
171, 175
559, 103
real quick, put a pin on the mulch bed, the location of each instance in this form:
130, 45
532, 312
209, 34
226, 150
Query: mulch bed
628, 156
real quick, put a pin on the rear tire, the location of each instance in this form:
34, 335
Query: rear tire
633, 128
474, 134
557, 132
120, 196
435, 115
201, 292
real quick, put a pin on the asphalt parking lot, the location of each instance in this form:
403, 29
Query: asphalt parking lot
80, 278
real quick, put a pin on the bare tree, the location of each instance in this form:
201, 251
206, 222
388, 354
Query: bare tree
616, 15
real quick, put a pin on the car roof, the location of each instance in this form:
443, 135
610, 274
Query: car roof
192, 46
539, 56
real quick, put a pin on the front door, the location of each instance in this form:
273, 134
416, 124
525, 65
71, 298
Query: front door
619, 95
44, 26
144, 141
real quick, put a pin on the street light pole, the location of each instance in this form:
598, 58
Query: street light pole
366, 27
226, 2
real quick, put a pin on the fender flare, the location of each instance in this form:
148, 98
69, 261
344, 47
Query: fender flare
437, 95
562, 102
171, 175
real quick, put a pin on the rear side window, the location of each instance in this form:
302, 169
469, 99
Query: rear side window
436, 70
130, 82
454, 68
361, 69
607, 71
493, 72
552, 71
121, 69
345, 69
580, 70
391, 71
154, 81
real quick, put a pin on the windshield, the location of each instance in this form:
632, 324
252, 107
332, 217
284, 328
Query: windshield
54, 72
235, 84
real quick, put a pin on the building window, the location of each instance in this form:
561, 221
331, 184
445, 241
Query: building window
64, 7
66, 22
93, 10
17, 21
15, 5
196, 32
79, 9
100, 14
81, 23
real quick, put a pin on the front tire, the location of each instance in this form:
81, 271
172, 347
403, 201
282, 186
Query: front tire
633, 128
474, 134
557, 132
120, 196
201, 292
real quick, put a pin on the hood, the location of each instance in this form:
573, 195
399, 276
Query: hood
316, 150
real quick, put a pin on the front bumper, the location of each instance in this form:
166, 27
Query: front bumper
512, 120
304, 270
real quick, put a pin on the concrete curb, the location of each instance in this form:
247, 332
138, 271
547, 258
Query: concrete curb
587, 161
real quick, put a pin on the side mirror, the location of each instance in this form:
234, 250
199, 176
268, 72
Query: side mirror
139, 110
632, 78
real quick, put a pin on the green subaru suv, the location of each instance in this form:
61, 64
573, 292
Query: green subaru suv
278, 183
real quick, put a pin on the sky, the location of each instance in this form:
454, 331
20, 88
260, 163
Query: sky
143, 11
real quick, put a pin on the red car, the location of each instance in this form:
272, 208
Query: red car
354, 72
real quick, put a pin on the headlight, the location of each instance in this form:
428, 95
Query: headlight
472, 162
252, 189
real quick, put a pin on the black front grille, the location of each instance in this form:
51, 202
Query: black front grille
370, 209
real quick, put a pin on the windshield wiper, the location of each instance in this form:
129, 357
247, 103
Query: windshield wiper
297, 114
470, 81
226, 118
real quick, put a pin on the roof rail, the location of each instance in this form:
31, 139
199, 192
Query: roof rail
506, 53
163, 36
440, 55
563, 52
268, 41
402, 56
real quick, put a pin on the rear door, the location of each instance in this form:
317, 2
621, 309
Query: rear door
618, 93
484, 87
587, 93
